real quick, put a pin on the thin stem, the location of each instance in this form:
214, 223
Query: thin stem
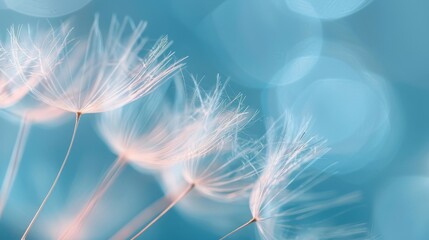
14, 163
171, 205
110, 176
141, 218
24, 236
239, 228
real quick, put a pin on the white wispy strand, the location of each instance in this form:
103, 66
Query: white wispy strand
26, 57
105, 72
124, 127
218, 117
172, 134
282, 195
227, 174
288, 152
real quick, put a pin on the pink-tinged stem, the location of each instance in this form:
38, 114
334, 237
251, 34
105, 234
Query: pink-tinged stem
138, 221
24, 236
14, 163
111, 175
239, 228
171, 205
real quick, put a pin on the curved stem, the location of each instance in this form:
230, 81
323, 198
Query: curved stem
114, 170
239, 228
24, 236
14, 163
141, 218
171, 205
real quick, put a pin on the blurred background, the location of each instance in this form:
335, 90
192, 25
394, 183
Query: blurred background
357, 67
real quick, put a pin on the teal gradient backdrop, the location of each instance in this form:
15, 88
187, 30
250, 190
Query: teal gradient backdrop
359, 68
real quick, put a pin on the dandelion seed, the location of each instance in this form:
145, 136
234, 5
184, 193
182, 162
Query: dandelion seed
97, 75
282, 192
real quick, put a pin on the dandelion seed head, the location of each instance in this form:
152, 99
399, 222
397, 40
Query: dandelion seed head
26, 56
105, 72
282, 201
288, 151
157, 133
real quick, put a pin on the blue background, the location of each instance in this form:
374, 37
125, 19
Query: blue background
364, 79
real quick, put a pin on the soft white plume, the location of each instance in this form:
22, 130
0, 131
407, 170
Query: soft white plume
105, 72
154, 133
27, 56
283, 201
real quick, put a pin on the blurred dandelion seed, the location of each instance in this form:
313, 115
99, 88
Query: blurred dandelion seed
98, 75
